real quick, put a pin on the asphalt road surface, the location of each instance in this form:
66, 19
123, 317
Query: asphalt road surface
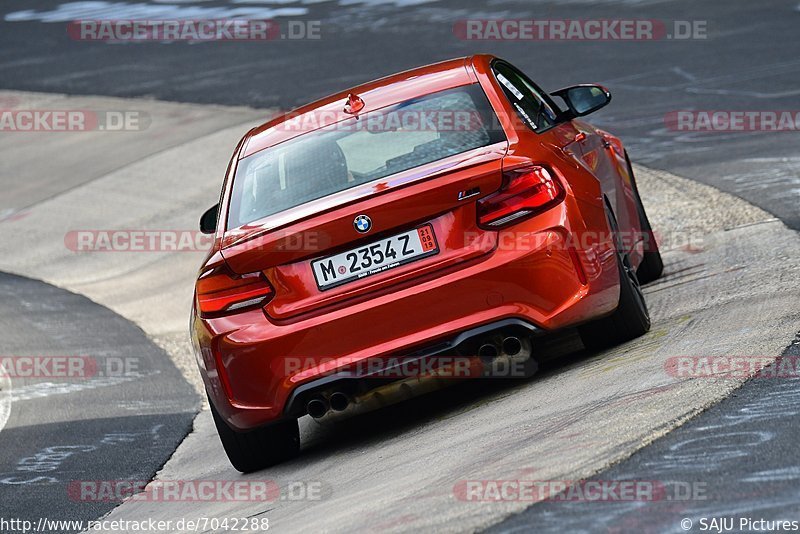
121, 411
733, 460
746, 62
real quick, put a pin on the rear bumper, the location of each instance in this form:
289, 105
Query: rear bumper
449, 359
256, 370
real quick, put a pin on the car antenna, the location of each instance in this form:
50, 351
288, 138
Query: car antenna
354, 104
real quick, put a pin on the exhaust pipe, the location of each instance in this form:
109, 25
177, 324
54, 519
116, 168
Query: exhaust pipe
488, 350
339, 401
317, 407
512, 346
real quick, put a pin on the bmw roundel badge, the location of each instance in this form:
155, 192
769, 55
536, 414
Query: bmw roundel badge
362, 224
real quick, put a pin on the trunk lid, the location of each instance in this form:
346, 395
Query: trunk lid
441, 193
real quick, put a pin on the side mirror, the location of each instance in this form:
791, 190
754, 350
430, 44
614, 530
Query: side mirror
208, 222
584, 99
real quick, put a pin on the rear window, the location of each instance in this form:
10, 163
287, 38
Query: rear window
358, 151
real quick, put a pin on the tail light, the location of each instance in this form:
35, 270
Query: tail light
220, 290
525, 192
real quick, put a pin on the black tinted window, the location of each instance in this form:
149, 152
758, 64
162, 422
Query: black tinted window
531, 106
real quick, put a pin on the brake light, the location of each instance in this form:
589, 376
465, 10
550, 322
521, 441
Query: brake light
220, 290
526, 192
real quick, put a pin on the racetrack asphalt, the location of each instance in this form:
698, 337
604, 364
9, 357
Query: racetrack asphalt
121, 414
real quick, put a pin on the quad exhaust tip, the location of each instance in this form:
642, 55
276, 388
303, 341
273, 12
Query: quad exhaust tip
488, 350
317, 407
512, 346
339, 401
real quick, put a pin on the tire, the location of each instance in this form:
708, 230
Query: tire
652, 266
260, 448
630, 320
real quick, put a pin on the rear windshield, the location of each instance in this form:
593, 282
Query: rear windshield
357, 151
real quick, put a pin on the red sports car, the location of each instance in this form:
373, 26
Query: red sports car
426, 225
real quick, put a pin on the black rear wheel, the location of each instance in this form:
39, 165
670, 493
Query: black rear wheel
651, 266
260, 448
630, 320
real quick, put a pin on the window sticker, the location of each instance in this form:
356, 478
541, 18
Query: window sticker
525, 116
510, 86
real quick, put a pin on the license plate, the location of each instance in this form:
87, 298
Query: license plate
375, 258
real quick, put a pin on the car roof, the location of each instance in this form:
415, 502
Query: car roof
375, 94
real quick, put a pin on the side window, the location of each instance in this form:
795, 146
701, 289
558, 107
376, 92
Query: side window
532, 108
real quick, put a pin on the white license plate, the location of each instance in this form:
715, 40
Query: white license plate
375, 258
